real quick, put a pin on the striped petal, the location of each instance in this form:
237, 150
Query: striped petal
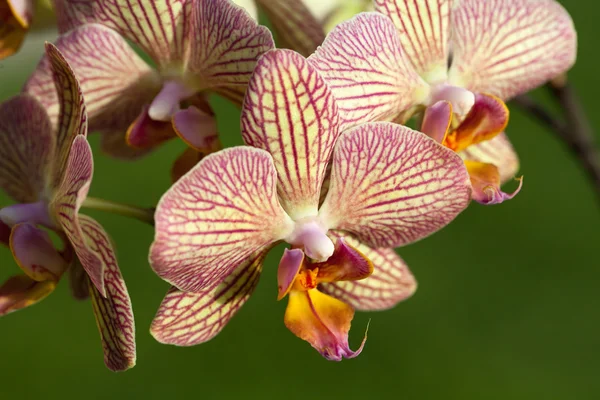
227, 43
187, 319
160, 28
391, 186
72, 118
215, 217
113, 312
390, 283
367, 70
290, 112
26, 144
424, 31
295, 26
116, 83
21, 291
497, 151
249, 6
507, 48
485, 179
66, 203
15, 19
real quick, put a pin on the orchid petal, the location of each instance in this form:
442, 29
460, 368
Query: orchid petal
187, 319
146, 133
289, 266
72, 119
21, 291
66, 203
488, 117
185, 162
424, 30
290, 112
113, 312
497, 151
197, 129
249, 6
26, 143
160, 28
437, 120
391, 186
35, 213
507, 48
226, 46
367, 70
323, 321
116, 82
215, 217
346, 264
390, 283
294, 24
35, 254
485, 179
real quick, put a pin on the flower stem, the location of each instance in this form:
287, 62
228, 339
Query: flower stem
142, 214
575, 131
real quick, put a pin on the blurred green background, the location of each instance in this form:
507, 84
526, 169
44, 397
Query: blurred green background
507, 306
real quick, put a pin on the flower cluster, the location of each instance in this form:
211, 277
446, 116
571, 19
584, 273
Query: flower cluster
328, 166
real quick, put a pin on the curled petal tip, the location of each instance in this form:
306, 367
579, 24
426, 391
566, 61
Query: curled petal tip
344, 351
496, 196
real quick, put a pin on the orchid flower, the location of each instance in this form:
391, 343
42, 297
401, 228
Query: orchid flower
388, 186
197, 46
463, 58
48, 173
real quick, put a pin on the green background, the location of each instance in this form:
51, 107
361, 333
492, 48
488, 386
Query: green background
507, 306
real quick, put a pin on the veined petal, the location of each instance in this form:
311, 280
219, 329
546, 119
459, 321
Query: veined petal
507, 48
215, 217
113, 312
35, 254
290, 112
68, 199
364, 64
391, 186
390, 283
21, 291
26, 144
187, 319
488, 117
295, 26
227, 42
424, 30
160, 28
497, 151
116, 82
249, 6
72, 119
322, 321
485, 179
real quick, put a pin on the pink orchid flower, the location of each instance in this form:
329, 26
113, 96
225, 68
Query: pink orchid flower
463, 58
49, 172
342, 200
197, 46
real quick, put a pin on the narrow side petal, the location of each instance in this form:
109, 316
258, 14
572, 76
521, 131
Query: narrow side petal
160, 28
290, 112
116, 82
26, 143
322, 321
507, 48
497, 151
485, 179
215, 217
226, 45
21, 291
391, 185
390, 283
72, 119
367, 70
288, 269
295, 26
114, 315
66, 203
424, 30
187, 319
437, 120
